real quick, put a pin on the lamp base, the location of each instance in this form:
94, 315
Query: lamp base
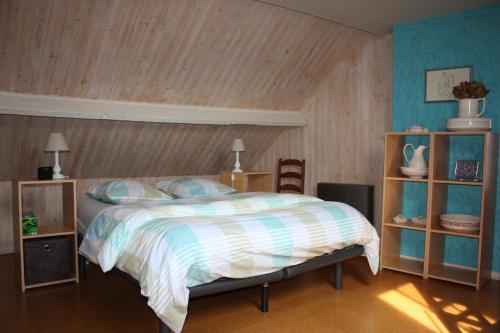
57, 168
58, 176
237, 164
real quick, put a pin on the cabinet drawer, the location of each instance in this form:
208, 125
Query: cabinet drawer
48, 259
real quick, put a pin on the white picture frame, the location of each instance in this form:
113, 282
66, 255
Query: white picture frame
439, 82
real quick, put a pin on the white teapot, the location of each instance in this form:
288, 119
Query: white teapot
417, 161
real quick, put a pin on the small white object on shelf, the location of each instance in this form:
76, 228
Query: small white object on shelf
56, 143
468, 124
416, 128
460, 222
400, 218
414, 172
422, 220
237, 147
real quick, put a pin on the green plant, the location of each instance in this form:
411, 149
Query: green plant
472, 89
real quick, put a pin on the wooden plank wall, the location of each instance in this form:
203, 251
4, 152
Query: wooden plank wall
101, 148
348, 115
200, 52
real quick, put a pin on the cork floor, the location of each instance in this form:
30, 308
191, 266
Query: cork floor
389, 302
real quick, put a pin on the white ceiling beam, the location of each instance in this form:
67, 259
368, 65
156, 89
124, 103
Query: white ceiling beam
81, 108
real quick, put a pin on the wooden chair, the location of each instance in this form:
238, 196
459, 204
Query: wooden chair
300, 165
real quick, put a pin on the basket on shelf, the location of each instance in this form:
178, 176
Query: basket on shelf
460, 222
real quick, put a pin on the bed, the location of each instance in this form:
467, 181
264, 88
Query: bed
194, 247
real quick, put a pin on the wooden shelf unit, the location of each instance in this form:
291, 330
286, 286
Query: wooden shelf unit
406, 225
405, 265
248, 181
437, 182
406, 179
54, 204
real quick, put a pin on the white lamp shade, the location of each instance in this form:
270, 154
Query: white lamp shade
56, 142
238, 145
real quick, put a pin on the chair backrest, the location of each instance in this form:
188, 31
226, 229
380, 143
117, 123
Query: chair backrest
299, 175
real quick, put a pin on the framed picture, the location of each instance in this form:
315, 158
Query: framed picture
439, 82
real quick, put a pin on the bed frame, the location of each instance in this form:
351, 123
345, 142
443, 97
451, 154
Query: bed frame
225, 284
334, 259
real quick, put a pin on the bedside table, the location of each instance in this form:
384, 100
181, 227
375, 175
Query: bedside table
248, 181
50, 256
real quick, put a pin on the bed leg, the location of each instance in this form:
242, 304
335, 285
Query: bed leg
163, 327
82, 267
337, 275
264, 301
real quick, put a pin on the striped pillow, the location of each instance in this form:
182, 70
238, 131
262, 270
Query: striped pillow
126, 191
187, 187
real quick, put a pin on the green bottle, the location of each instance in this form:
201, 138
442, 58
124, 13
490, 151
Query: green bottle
30, 224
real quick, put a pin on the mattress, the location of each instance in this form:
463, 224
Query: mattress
87, 209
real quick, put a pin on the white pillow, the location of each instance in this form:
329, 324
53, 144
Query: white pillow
187, 187
126, 191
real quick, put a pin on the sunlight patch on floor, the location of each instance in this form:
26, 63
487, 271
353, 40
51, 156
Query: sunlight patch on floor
472, 318
454, 309
468, 327
408, 300
490, 320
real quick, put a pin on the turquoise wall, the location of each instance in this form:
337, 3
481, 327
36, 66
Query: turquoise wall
466, 38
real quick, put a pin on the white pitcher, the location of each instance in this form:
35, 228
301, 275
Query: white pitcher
417, 161
468, 107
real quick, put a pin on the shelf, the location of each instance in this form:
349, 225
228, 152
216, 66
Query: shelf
461, 133
257, 172
248, 181
440, 133
444, 181
408, 134
46, 182
51, 230
442, 193
407, 179
406, 225
28, 286
440, 230
405, 265
453, 274
457, 182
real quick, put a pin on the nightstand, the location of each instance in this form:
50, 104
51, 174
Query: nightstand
50, 256
248, 181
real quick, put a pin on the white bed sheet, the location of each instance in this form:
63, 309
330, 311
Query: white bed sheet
87, 209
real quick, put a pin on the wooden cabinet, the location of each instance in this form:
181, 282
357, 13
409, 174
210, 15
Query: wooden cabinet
49, 256
435, 195
248, 181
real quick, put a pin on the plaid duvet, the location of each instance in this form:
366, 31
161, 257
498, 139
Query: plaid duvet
171, 246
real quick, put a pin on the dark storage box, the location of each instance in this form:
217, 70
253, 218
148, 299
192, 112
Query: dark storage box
48, 259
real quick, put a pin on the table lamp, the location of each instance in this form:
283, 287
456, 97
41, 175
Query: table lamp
56, 143
237, 147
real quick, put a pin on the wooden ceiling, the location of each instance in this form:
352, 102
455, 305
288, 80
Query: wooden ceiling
227, 53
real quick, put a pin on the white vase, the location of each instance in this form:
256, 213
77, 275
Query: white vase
468, 107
